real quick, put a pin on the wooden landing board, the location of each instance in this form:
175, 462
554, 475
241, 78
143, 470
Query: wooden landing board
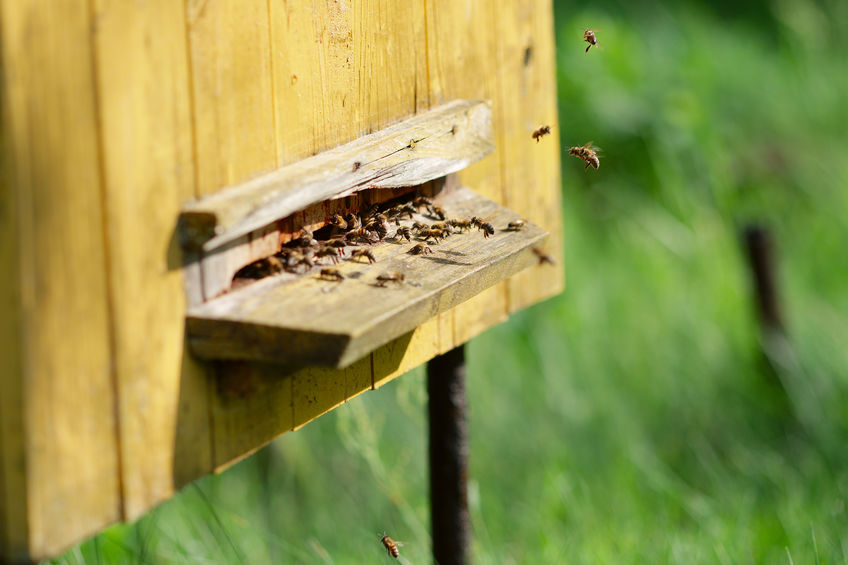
412, 152
302, 319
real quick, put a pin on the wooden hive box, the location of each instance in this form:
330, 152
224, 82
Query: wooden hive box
119, 116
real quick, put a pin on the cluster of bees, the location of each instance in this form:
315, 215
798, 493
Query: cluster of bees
351, 236
588, 152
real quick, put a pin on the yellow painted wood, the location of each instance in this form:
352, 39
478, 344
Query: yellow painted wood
527, 100
66, 371
148, 172
13, 482
461, 41
232, 87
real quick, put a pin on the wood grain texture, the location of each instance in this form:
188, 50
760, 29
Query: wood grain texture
413, 152
148, 172
461, 41
302, 319
232, 90
526, 100
13, 482
66, 366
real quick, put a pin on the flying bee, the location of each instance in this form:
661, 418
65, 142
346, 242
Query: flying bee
406, 210
331, 274
353, 221
330, 252
421, 202
543, 257
390, 276
517, 225
339, 222
365, 253
541, 132
589, 37
356, 165
371, 211
404, 232
436, 212
588, 153
420, 249
461, 225
391, 546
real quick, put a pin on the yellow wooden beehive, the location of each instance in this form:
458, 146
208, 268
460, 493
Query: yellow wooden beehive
116, 114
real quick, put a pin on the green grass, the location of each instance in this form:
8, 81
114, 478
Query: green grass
629, 420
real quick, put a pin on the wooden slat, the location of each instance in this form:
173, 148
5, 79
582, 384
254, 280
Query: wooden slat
67, 413
148, 168
232, 90
13, 483
303, 319
461, 40
413, 152
526, 100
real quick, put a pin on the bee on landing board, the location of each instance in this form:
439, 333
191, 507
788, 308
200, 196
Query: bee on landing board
391, 546
363, 253
587, 153
517, 225
589, 37
540, 132
391, 276
331, 274
420, 249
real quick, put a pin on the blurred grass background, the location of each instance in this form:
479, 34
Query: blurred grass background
631, 419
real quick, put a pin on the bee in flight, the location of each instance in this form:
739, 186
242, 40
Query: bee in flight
589, 37
391, 546
540, 132
588, 153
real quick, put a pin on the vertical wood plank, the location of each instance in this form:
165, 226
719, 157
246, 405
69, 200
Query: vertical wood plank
461, 43
71, 460
148, 171
13, 485
526, 76
232, 90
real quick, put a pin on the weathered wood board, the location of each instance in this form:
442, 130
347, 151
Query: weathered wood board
303, 319
412, 152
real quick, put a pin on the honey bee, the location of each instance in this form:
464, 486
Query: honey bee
339, 222
305, 239
406, 210
543, 257
436, 212
422, 202
390, 276
404, 232
262, 268
331, 274
330, 252
540, 132
391, 546
374, 209
356, 165
589, 37
428, 234
353, 221
418, 226
360, 234
484, 226
517, 225
420, 249
366, 253
461, 225
337, 244
588, 153
378, 228
294, 260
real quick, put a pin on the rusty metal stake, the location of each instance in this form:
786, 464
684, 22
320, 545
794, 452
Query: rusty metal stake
451, 525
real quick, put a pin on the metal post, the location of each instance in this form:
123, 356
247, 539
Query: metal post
450, 521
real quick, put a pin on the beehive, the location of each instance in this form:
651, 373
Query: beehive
115, 117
